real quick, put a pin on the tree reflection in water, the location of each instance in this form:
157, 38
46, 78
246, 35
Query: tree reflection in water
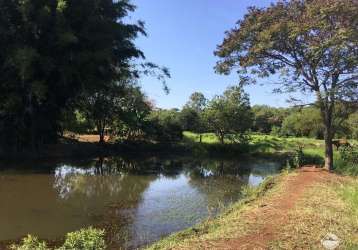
136, 200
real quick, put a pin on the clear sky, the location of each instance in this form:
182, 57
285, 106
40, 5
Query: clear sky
182, 35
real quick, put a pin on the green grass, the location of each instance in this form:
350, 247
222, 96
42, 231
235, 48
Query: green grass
257, 144
260, 142
349, 193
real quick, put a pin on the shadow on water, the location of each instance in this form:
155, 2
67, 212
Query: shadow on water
137, 201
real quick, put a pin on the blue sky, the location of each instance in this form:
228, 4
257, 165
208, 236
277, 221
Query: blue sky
182, 35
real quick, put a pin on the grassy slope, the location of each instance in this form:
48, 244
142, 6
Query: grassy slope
328, 207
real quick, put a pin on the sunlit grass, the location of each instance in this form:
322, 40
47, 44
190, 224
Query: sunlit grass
350, 194
329, 207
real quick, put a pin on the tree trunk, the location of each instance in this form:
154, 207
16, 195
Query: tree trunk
200, 138
101, 138
326, 106
100, 129
328, 156
222, 138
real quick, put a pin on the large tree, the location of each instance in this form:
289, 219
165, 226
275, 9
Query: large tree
313, 44
51, 51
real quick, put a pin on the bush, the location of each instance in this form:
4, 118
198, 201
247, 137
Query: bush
349, 154
164, 126
347, 163
84, 239
30, 243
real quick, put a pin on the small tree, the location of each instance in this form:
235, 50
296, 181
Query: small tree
229, 114
192, 114
313, 44
102, 107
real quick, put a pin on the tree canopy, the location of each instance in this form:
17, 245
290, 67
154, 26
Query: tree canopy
56, 52
229, 115
312, 44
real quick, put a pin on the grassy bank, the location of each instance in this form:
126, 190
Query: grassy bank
326, 207
257, 145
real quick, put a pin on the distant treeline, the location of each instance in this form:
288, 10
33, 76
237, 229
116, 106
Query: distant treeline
229, 116
292, 121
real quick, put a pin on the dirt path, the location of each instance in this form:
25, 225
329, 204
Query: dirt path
273, 213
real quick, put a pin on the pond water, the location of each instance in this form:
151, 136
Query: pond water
136, 201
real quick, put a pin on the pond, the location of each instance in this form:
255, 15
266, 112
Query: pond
136, 201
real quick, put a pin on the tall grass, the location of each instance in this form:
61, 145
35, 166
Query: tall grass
349, 194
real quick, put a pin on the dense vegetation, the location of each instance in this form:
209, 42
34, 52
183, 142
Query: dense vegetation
61, 57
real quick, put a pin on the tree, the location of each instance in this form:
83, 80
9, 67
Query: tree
53, 51
197, 102
230, 114
135, 109
192, 114
266, 117
303, 122
164, 125
103, 107
313, 44
352, 124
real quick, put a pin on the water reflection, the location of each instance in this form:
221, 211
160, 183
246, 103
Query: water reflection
136, 200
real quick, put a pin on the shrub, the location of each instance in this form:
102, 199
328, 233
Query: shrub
347, 163
298, 159
349, 154
85, 239
30, 243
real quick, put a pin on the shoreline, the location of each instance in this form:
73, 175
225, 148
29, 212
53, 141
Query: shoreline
278, 214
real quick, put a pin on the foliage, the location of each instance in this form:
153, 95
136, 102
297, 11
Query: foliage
305, 122
102, 107
60, 57
311, 44
53, 51
164, 126
120, 109
352, 125
197, 102
349, 154
229, 115
30, 243
347, 162
76, 122
84, 239
133, 120
192, 115
298, 157
266, 118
